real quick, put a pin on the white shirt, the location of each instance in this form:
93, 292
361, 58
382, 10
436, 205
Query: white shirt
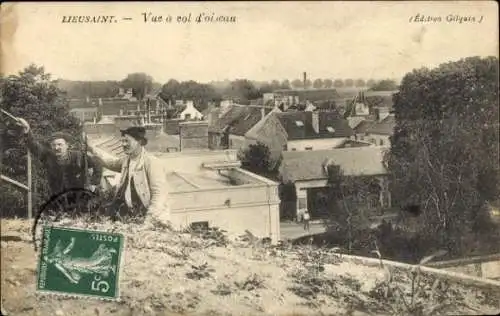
132, 165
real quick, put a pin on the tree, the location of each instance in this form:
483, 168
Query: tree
93, 89
200, 94
139, 82
275, 85
360, 83
170, 91
297, 83
265, 88
285, 84
338, 83
370, 83
385, 85
446, 123
347, 199
243, 90
328, 83
318, 83
349, 83
32, 96
257, 158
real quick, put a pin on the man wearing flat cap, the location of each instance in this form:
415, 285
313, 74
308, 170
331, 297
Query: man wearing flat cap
142, 189
65, 168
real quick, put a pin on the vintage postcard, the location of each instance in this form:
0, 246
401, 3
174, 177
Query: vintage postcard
250, 158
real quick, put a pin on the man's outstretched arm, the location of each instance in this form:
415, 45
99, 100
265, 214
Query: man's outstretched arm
35, 146
104, 159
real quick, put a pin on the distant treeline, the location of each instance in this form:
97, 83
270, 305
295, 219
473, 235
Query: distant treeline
242, 90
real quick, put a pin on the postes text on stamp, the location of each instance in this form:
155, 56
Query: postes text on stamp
79, 262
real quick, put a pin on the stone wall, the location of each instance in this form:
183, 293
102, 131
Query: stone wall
193, 135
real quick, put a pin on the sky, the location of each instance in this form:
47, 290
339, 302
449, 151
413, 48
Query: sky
269, 40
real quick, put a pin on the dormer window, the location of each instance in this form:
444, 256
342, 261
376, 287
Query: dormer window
299, 123
330, 129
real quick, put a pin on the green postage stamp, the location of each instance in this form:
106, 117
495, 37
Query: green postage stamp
80, 262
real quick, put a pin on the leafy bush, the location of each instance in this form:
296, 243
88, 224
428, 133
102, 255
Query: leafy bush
213, 236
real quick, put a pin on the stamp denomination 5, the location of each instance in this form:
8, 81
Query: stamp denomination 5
80, 262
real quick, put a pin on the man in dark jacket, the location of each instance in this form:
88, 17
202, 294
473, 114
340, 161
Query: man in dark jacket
65, 168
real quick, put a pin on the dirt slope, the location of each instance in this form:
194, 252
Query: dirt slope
166, 273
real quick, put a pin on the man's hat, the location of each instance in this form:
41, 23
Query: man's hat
60, 135
136, 132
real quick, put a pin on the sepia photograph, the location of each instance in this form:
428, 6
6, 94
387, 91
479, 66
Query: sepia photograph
250, 158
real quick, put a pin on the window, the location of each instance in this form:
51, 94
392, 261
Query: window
330, 129
293, 149
308, 148
299, 123
199, 226
187, 116
381, 142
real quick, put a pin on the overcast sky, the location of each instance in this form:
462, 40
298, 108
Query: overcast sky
276, 40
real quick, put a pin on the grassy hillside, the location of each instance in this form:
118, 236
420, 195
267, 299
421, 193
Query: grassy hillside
212, 273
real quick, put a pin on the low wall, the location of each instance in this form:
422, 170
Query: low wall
481, 266
464, 279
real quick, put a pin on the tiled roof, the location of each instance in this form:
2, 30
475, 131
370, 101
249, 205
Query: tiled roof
220, 123
354, 121
253, 132
298, 125
309, 165
247, 120
240, 118
82, 103
112, 107
384, 127
379, 101
379, 93
87, 109
362, 127
156, 143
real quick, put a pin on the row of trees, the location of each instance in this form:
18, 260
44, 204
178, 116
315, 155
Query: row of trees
200, 94
380, 85
142, 83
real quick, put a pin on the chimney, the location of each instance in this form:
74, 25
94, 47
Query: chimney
305, 79
315, 121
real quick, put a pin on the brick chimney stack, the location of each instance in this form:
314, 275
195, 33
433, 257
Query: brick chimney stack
193, 135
